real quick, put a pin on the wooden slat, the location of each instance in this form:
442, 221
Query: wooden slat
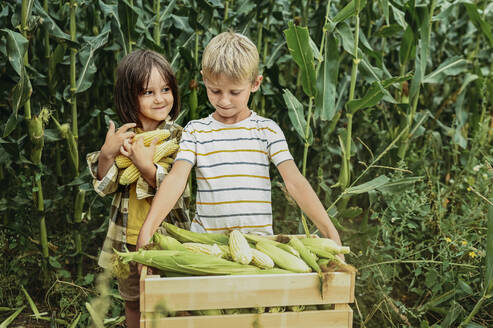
314, 319
220, 292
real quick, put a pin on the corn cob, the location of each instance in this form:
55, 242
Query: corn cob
255, 238
325, 245
195, 237
148, 136
169, 160
240, 250
165, 149
226, 252
261, 260
187, 262
208, 312
213, 250
167, 242
305, 253
122, 161
277, 309
129, 175
164, 165
282, 258
296, 308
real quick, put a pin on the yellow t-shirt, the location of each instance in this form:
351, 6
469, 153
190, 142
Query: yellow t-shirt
137, 212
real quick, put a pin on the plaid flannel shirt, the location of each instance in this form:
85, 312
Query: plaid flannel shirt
116, 235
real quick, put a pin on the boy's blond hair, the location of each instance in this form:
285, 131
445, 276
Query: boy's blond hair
232, 54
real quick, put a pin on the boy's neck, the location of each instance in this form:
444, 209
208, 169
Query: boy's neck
234, 119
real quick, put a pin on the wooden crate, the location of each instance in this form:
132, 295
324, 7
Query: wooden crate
246, 291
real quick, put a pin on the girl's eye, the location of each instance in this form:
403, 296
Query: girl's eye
166, 89
147, 92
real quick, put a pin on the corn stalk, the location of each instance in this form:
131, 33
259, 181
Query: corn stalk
72, 139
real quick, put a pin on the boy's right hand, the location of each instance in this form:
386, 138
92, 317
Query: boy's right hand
114, 139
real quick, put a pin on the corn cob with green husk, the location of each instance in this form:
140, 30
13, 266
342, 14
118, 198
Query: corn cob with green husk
276, 309
255, 239
167, 242
296, 308
187, 262
305, 253
195, 237
282, 258
240, 250
324, 245
213, 250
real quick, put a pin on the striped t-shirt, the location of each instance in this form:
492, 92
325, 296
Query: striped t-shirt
232, 170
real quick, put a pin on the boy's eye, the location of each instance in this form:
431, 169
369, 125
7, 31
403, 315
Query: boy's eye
235, 93
215, 91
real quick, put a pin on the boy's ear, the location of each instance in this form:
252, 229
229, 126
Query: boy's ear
257, 82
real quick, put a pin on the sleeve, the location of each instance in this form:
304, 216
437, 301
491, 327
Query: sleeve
188, 145
277, 146
143, 189
108, 184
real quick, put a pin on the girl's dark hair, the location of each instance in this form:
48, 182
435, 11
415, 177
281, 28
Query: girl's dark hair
132, 76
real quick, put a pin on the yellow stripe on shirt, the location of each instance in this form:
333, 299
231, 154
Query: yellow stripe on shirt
234, 202
238, 128
234, 227
225, 151
280, 151
233, 176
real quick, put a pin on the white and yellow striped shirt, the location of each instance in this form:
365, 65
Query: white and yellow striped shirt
232, 170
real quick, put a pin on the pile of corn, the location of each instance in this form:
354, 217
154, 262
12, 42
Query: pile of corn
164, 149
183, 253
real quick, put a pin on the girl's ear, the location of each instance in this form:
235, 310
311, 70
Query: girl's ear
256, 83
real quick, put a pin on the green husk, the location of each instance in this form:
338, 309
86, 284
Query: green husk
187, 262
255, 239
324, 245
282, 258
189, 236
305, 254
167, 242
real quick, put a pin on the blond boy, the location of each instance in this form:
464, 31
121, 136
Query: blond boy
231, 150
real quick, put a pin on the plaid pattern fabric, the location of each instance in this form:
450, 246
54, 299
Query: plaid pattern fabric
116, 235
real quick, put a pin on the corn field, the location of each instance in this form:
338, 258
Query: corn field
387, 107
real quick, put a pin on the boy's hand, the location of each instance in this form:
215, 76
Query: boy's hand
115, 139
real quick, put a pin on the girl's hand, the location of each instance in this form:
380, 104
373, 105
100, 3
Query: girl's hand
115, 139
141, 155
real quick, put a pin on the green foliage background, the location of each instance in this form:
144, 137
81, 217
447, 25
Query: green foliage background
386, 105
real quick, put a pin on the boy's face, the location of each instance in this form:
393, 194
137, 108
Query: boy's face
230, 97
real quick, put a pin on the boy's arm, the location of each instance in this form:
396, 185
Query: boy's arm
167, 194
306, 198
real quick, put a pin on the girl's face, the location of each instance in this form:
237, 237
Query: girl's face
155, 102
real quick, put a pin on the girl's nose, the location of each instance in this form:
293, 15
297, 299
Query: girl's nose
158, 98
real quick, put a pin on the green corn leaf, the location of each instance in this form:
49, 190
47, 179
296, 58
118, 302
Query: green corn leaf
167, 13
86, 55
450, 67
11, 318
33, 306
482, 25
11, 124
16, 48
111, 11
315, 50
74, 323
327, 80
21, 91
348, 11
96, 320
298, 41
297, 116
408, 46
368, 186
53, 28
128, 19
398, 185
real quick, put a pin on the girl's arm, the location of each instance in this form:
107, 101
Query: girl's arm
306, 198
165, 199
